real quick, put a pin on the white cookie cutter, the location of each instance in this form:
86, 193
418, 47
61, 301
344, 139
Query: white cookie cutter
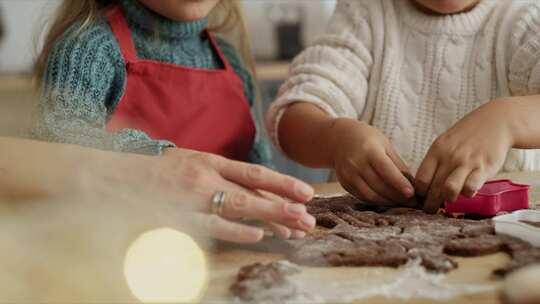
511, 224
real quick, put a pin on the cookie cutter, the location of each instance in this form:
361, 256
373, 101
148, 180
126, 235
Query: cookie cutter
493, 198
513, 224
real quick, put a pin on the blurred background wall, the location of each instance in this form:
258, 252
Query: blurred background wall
279, 30
22, 21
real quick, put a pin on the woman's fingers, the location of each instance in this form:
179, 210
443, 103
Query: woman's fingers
280, 231
266, 207
219, 228
297, 234
244, 204
261, 178
391, 174
213, 226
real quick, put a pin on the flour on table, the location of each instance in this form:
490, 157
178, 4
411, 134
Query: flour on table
411, 282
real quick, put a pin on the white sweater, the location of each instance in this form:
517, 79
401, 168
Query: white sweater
413, 75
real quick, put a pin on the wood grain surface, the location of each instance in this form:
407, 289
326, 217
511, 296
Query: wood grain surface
226, 262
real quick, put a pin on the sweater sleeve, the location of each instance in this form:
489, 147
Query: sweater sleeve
524, 52
521, 45
84, 79
332, 73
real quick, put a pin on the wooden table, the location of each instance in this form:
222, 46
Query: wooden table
225, 263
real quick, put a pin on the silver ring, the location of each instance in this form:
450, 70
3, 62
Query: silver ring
218, 201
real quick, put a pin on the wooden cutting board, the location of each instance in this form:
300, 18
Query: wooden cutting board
225, 263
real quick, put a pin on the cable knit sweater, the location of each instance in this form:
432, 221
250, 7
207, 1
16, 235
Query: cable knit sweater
414, 75
85, 79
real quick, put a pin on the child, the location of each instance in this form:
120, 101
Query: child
447, 86
151, 74
144, 76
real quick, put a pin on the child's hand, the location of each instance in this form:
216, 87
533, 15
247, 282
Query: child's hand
367, 165
465, 156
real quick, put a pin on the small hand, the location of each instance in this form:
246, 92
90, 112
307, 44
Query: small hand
465, 156
367, 165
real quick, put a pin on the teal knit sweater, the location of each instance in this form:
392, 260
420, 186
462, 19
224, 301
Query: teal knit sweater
85, 79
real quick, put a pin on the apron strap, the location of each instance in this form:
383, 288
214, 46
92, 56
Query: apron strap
214, 45
120, 29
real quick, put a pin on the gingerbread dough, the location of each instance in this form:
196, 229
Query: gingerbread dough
355, 234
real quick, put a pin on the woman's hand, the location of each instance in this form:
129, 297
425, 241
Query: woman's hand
188, 180
180, 182
367, 165
463, 158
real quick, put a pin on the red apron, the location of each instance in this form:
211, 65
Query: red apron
198, 109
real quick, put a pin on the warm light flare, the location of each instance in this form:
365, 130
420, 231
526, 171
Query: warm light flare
165, 265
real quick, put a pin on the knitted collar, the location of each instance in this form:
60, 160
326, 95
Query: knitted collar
465, 23
148, 21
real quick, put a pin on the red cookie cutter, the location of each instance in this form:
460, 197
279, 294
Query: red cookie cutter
495, 197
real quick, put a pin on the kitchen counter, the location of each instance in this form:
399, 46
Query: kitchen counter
225, 263
17, 102
272, 70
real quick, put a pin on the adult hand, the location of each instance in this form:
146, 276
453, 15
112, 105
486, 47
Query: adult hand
180, 182
189, 179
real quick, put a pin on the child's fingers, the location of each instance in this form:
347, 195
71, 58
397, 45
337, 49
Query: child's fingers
453, 185
261, 178
397, 160
431, 204
391, 174
364, 192
473, 183
425, 174
356, 186
434, 198
380, 186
